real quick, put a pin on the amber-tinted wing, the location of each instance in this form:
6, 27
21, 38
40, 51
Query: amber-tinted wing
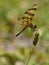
29, 14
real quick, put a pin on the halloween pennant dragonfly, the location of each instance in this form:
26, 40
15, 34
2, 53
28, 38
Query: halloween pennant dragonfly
27, 19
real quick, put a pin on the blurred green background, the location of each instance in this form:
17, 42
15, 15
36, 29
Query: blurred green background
13, 51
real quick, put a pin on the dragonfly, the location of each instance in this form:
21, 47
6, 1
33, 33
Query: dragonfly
27, 19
